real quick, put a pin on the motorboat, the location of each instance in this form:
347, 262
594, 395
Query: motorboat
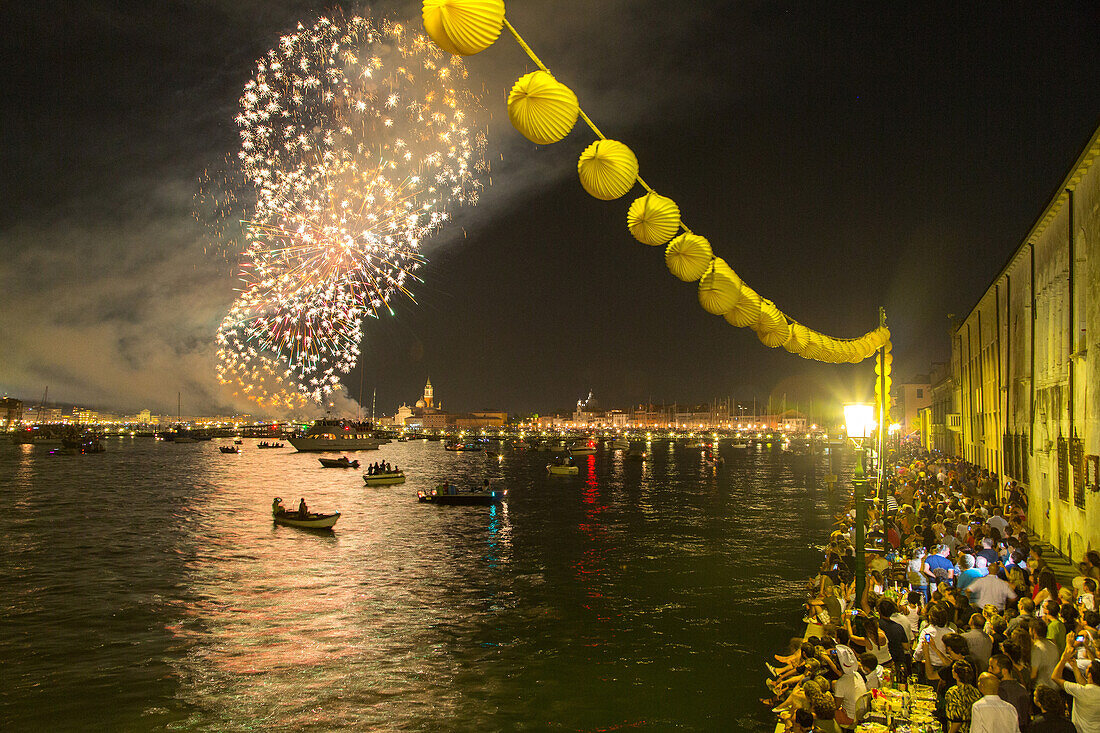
451, 495
467, 446
337, 436
384, 478
229, 449
582, 448
562, 470
265, 444
309, 521
740, 445
238, 441
83, 444
341, 462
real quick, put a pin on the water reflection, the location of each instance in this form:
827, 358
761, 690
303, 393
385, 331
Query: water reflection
615, 597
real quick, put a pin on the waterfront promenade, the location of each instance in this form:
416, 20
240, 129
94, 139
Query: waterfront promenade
951, 557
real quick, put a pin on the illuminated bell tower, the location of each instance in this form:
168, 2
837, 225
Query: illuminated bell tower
428, 393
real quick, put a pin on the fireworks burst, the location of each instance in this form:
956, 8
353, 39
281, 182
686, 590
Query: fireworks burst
355, 141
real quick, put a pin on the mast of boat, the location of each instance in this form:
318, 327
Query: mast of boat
42, 407
359, 407
373, 398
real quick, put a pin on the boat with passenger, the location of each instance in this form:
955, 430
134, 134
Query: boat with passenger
264, 445
300, 519
384, 478
341, 462
337, 436
229, 449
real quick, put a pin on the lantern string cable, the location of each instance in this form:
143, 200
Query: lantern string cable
588, 120
592, 125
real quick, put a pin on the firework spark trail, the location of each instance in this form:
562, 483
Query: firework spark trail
355, 141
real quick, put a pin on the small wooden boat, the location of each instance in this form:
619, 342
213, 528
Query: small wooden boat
440, 495
269, 445
562, 470
238, 441
309, 521
229, 449
341, 462
384, 478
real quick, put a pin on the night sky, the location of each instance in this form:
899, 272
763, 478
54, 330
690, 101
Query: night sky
840, 156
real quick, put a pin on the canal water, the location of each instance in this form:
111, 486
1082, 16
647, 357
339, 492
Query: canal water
147, 588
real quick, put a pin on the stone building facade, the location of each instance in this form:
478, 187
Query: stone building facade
1026, 365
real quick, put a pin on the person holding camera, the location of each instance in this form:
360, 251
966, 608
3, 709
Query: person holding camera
1086, 690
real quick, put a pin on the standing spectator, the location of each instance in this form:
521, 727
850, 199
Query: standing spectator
1044, 654
1085, 691
1011, 691
939, 568
979, 642
991, 590
1056, 630
991, 714
1053, 717
960, 698
1027, 608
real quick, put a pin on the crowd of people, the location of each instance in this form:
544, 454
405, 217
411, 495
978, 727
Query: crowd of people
954, 597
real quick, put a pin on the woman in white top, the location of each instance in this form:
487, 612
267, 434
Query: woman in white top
873, 640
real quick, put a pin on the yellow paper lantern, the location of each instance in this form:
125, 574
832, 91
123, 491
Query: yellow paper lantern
607, 169
813, 345
774, 337
800, 335
747, 310
719, 288
463, 27
771, 327
855, 352
653, 219
543, 109
688, 256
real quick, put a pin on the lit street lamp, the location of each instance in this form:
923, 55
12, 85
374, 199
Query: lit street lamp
859, 422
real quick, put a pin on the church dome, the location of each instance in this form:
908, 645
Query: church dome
421, 403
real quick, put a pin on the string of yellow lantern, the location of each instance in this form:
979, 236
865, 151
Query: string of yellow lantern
544, 111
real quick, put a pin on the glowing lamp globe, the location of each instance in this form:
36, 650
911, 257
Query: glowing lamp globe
543, 109
653, 219
688, 256
607, 169
859, 420
463, 27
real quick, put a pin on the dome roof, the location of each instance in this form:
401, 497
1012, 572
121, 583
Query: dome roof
421, 403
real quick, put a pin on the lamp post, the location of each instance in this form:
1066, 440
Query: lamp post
859, 422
